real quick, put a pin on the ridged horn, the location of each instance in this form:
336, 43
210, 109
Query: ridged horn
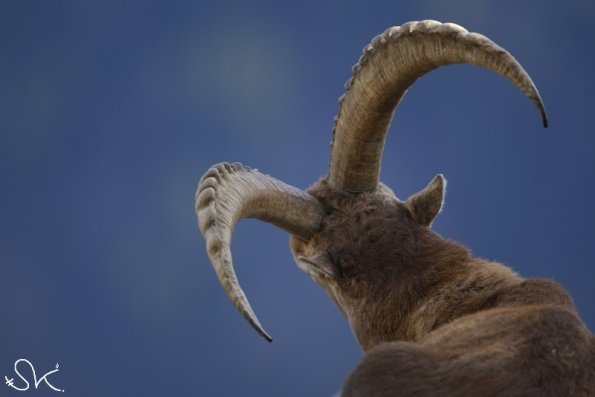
229, 192
380, 79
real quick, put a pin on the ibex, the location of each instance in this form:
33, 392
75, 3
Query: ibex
432, 319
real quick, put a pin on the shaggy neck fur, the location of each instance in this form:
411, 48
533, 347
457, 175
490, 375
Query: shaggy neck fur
434, 283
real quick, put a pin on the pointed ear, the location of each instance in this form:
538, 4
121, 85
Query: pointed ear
320, 265
427, 203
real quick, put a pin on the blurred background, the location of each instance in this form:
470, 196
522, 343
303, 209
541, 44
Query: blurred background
111, 111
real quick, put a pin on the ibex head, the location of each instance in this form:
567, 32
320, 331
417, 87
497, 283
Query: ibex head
349, 231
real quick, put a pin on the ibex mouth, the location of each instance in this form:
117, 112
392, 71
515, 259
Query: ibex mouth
320, 266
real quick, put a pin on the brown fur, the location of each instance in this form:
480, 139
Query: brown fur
432, 319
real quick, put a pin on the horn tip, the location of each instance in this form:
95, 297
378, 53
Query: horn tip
253, 321
541, 108
263, 333
538, 102
544, 119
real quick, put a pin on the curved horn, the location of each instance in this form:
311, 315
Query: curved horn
388, 66
229, 192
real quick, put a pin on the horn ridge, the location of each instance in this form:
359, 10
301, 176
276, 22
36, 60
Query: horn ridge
228, 193
388, 66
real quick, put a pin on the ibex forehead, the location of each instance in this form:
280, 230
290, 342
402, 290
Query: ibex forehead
353, 226
330, 196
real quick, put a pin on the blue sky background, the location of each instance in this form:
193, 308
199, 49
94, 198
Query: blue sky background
111, 111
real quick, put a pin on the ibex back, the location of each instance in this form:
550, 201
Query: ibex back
432, 319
